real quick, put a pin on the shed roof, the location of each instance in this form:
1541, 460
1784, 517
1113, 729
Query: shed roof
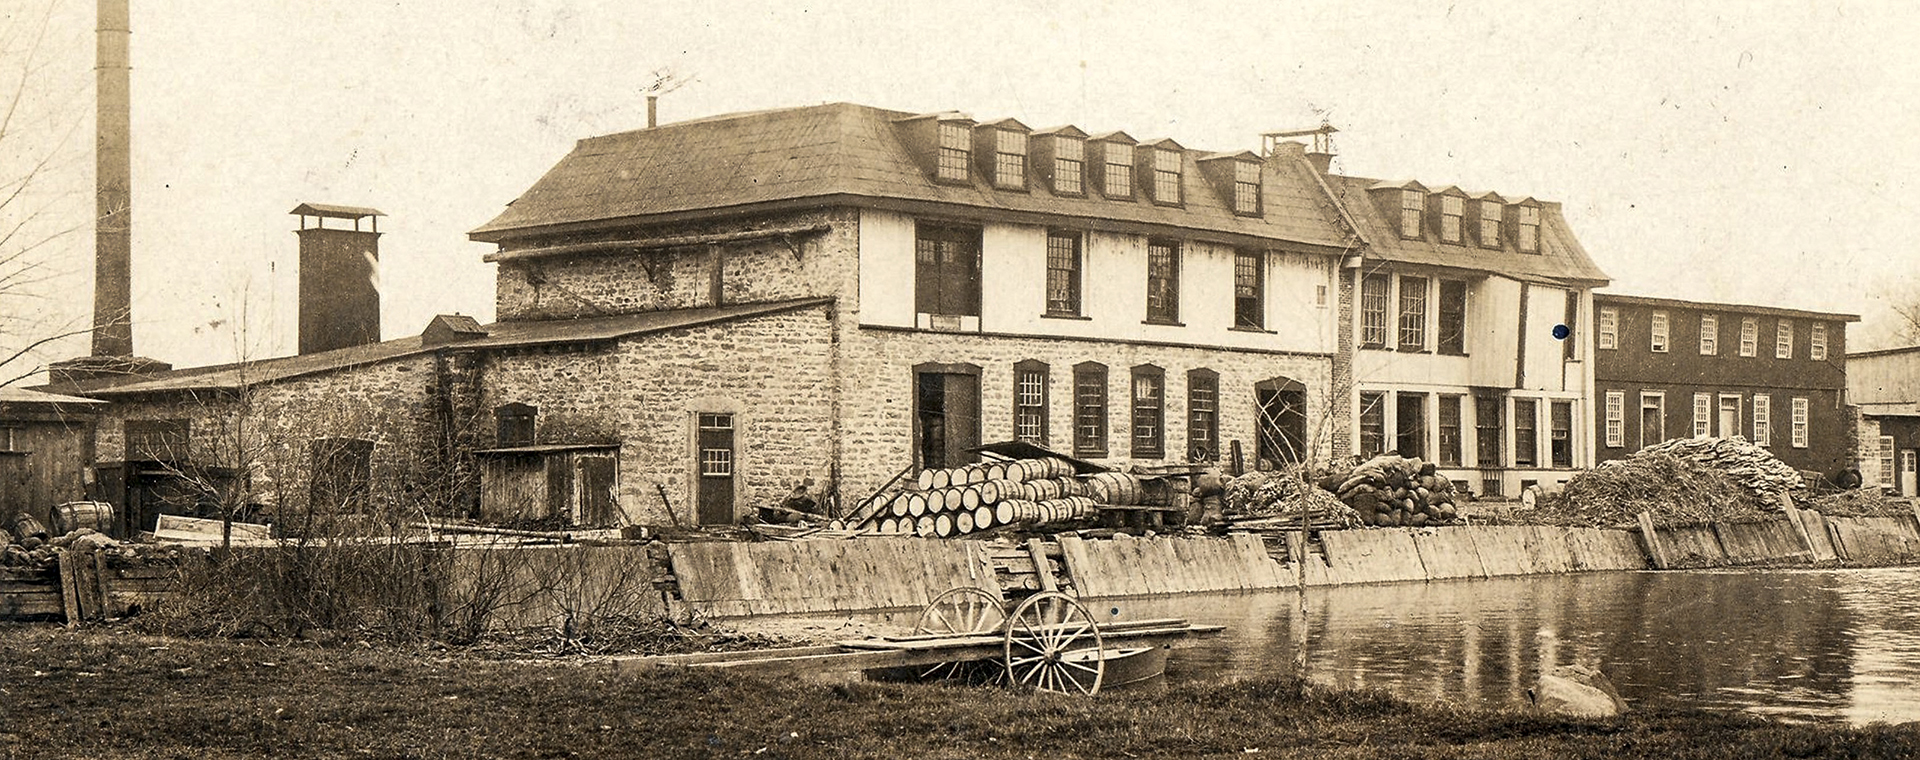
856, 154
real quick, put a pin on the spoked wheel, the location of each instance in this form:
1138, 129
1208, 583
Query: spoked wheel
959, 611
1052, 644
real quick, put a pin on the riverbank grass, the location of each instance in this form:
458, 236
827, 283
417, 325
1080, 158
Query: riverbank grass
113, 695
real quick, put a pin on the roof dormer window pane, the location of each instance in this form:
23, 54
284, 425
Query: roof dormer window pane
1246, 187
1166, 177
955, 152
1452, 209
1118, 178
1069, 162
1413, 205
1529, 233
1490, 224
1010, 159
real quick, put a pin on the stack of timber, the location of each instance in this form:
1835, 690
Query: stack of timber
1033, 565
1023, 493
1748, 464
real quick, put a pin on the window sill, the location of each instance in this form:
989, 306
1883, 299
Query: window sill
1090, 455
1162, 323
1075, 317
1461, 354
1259, 330
1381, 347
1410, 350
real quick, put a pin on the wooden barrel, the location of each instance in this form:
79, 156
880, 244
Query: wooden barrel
970, 497
983, 517
1114, 488
977, 474
943, 525
916, 505
1057, 468
24, 526
900, 505
925, 481
1074, 487
941, 479
997, 471
1080, 508
963, 523
994, 491
951, 499
923, 526
889, 525
1040, 490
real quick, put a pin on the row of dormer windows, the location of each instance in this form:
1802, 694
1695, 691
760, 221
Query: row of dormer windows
1006, 153
1660, 337
1490, 216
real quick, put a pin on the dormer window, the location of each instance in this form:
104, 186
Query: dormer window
1116, 179
1413, 205
1528, 232
1490, 213
1452, 212
1010, 159
1246, 188
955, 152
1069, 165
1166, 177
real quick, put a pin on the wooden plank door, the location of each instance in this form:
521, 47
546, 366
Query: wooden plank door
948, 416
595, 480
1909, 487
715, 467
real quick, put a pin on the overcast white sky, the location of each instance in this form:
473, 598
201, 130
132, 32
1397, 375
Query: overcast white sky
1735, 151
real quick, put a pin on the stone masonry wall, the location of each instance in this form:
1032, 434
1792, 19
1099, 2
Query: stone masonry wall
681, 278
772, 372
878, 401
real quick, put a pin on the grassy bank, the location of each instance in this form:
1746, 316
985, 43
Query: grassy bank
113, 695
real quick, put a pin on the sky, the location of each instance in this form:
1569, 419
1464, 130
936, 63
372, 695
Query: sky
1750, 152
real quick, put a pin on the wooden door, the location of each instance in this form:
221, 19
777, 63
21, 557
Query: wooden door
1908, 485
595, 480
1729, 416
948, 416
715, 465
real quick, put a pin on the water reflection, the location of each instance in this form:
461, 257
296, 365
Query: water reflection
1800, 644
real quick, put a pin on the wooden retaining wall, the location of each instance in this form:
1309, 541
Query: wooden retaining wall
730, 579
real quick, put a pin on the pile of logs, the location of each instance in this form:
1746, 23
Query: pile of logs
1391, 490
1748, 464
1021, 492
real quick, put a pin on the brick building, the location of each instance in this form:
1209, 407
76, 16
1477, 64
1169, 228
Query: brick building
1469, 313
1673, 369
1886, 387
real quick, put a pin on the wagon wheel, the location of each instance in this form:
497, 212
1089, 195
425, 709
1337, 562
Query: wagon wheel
959, 611
1040, 633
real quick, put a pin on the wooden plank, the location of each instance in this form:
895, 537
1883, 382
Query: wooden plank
1655, 547
69, 590
1074, 559
1038, 550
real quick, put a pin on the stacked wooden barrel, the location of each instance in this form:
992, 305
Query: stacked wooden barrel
961, 500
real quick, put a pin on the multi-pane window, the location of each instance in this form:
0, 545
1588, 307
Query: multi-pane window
1117, 175
1763, 419
1783, 340
956, 150
1030, 402
1800, 412
1658, 343
1063, 274
1709, 335
1528, 234
1246, 188
1090, 410
1526, 440
1010, 158
1607, 332
1069, 165
1203, 415
1452, 212
1560, 447
947, 270
1749, 336
1410, 424
716, 461
1149, 401
1886, 460
1453, 317
1413, 205
158, 440
1249, 298
1449, 419
1702, 415
1373, 311
1817, 342
1616, 412
1373, 423
1163, 281
1490, 213
1487, 427
1166, 177
1413, 313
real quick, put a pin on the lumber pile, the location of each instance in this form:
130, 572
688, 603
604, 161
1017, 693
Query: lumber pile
1279, 498
1025, 493
1746, 463
1392, 490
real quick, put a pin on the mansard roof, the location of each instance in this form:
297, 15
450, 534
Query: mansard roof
1561, 258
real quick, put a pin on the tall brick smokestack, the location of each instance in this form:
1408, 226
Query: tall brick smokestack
113, 156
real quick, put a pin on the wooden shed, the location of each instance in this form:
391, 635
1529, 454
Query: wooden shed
572, 482
46, 447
